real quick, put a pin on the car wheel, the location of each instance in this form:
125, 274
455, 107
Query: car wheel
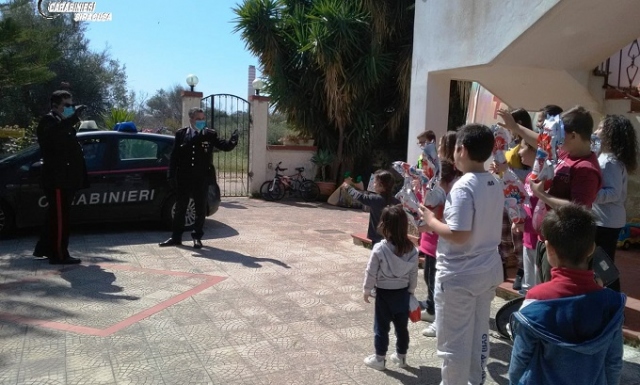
6, 220
626, 245
189, 218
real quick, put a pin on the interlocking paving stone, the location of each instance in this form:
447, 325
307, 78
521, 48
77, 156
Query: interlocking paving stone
290, 310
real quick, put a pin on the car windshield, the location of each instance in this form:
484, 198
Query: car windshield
24, 154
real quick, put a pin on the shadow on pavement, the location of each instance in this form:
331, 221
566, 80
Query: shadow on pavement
129, 233
416, 375
233, 205
92, 281
233, 257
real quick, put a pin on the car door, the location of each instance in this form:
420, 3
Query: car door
92, 204
88, 203
24, 191
140, 175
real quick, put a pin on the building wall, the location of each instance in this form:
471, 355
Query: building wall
529, 53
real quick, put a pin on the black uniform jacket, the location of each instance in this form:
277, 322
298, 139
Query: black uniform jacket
63, 163
192, 158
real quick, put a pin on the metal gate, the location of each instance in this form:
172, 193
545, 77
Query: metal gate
226, 113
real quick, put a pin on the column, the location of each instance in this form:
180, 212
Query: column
258, 142
190, 99
429, 108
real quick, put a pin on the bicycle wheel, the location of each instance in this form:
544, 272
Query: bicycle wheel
264, 190
276, 191
309, 190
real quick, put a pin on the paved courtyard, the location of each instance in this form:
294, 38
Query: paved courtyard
274, 297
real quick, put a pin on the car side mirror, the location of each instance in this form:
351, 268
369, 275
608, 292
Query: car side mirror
36, 168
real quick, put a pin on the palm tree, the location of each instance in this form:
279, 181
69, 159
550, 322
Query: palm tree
340, 70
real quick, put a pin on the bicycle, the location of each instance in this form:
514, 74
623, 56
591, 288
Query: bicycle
275, 189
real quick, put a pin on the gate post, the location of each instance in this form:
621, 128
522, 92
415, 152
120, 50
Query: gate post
190, 99
258, 143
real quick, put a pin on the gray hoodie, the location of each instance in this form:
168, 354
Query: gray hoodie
386, 270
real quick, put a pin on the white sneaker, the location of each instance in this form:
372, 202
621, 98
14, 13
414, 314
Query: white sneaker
401, 362
373, 363
430, 331
427, 317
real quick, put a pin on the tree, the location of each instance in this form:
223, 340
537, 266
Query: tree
165, 107
339, 70
94, 78
25, 55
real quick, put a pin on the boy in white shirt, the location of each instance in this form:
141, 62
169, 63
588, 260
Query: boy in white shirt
468, 264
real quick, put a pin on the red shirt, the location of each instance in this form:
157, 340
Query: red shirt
565, 283
577, 179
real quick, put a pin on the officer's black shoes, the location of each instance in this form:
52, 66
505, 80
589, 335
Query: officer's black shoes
40, 255
65, 261
170, 242
197, 244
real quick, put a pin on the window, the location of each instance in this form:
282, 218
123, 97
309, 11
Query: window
95, 150
137, 149
137, 152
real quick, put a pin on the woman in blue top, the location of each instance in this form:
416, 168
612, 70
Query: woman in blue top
619, 148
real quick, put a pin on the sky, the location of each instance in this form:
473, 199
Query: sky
160, 42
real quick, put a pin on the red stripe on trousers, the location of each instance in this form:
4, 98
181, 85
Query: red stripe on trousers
59, 215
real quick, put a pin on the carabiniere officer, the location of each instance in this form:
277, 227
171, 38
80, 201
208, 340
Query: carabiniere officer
191, 172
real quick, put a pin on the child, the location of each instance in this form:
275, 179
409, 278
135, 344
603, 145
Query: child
425, 138
527, 155
568, 330
468, 264
577, 176
383, 183
511, 245
393, 271
617, 160
429, 241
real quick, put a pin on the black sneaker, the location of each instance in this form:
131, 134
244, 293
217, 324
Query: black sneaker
65, 261
517, 283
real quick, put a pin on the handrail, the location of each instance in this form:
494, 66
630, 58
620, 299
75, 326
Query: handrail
626, 72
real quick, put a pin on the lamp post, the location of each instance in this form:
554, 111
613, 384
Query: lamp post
258, 85
192, 81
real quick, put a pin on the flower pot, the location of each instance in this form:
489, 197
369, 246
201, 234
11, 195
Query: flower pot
326, 188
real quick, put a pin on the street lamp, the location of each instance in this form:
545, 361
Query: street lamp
192, 81
258, 85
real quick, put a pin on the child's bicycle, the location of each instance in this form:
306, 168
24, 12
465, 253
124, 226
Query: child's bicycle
275, 189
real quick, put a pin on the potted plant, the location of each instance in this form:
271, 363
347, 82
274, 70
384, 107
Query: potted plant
297, 140
322, 159
289, 140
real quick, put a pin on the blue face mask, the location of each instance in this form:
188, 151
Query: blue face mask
201, 124
68, 111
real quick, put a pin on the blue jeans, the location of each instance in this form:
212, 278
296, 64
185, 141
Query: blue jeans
391, 306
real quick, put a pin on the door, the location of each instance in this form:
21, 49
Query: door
92, 204
139, 177
88, 204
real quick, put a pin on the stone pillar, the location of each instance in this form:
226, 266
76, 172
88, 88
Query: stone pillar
258, 142
429, 109
190, 99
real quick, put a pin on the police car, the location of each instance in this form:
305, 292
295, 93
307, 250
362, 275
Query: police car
128, 177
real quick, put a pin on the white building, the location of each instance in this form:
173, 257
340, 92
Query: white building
529, 54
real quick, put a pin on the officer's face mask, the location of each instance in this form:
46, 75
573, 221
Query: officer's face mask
68, 111
200, 124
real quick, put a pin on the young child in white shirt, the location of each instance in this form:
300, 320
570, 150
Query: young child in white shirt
468, 264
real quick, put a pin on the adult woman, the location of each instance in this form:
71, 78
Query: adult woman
619, 149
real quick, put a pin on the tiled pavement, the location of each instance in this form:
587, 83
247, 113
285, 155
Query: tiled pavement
273, 298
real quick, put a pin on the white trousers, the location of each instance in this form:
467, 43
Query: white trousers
530, 268
463, 307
